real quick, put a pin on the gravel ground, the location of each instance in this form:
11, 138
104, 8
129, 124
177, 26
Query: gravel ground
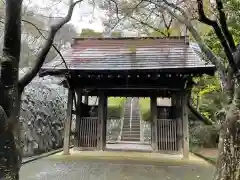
56, 169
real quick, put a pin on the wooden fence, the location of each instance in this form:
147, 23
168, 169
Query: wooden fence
167, 131
87, 137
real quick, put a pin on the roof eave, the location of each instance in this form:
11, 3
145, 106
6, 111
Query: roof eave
209, 70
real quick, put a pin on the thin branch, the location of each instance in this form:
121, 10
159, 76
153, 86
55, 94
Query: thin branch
35, 26
27, 78
117, 11
53, 45
150, 26
184, 20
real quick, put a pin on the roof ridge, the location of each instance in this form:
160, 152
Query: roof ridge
130, 38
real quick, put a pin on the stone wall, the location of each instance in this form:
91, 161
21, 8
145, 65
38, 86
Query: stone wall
42, 118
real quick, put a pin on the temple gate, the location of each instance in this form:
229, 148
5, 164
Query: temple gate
104, 67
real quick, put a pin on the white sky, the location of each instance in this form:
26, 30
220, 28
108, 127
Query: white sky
83, 16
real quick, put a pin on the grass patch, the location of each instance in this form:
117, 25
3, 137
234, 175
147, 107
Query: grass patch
144, 104
115, 101
115, 107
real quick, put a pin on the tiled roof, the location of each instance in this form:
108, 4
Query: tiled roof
128, 54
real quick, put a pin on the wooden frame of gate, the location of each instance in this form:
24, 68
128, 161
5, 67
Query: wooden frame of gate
171, 135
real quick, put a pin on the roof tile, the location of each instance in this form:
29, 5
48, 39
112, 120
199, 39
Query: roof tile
128, 53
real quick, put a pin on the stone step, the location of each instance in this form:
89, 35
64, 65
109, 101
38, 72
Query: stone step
128, 118
129, 133
131, 122
131, 126
130, 139
133, 130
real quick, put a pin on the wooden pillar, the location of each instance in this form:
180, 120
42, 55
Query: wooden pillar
68, 122
86, 99
101, 121
105, 118
78, 117
177, 101
154, 123
185, 126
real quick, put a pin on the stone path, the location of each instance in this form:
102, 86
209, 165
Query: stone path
83, 169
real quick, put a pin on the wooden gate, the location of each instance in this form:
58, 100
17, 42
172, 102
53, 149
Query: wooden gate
87, 133
167, 135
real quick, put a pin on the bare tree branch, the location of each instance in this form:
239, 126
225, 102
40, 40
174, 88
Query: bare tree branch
224, 26
150, 26
219, 33
183, 18
26, 79
53, 45
129, 14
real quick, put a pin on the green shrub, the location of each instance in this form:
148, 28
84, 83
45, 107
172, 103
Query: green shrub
115, 107
144, 104
203, 136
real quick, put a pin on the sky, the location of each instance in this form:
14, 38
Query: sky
84, 18
83, 15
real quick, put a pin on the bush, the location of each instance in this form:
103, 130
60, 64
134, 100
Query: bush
203, 136
144, 104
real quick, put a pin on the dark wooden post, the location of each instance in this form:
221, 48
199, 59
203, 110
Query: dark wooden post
185, 126
177, 101
68, 122
86, 99
101, 120
154, 123
105, 119
78, 117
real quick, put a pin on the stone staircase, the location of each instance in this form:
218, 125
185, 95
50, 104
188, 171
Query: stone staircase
131, 124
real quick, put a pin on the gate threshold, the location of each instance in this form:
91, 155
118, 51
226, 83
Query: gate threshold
128, 142
135, 147
140, 157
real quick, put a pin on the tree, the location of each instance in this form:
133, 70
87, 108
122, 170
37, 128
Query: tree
90, 33
219, 16
11, 87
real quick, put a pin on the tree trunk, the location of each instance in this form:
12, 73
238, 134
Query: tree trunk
228, 163
10, 153
10, 144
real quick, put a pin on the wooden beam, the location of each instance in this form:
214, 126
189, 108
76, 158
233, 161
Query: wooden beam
130, 83
135, 92
68, 122
185, 126
153, 106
